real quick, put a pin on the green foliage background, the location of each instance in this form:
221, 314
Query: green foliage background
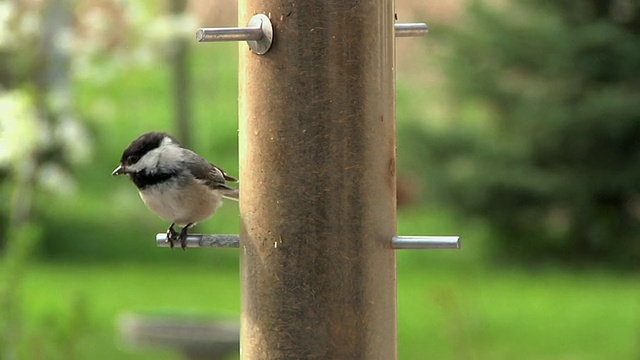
543, 132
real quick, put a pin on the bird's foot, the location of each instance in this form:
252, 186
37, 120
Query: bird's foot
183, 236
172, 236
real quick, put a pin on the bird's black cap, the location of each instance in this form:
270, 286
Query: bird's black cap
142, 145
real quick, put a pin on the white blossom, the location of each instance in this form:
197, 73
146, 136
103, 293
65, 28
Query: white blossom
20, 134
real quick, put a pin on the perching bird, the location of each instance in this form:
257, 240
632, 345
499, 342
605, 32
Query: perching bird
175, 182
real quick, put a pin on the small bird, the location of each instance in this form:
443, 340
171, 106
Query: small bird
175, 182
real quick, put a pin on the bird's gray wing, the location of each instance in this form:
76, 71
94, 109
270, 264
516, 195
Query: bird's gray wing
212, 176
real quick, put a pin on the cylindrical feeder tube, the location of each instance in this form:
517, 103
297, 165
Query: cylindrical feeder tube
318, 194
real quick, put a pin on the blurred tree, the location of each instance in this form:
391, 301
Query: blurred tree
543, 139
45, 47
179, 59
37, 124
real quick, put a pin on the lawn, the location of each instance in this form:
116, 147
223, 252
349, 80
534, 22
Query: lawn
444, 313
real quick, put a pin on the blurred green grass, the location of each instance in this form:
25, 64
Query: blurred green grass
444, 313
99, 260
53, 294
515, 315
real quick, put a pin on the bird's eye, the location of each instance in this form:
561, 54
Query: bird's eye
132, 159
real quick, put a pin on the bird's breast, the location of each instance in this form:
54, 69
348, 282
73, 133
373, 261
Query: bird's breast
182, 205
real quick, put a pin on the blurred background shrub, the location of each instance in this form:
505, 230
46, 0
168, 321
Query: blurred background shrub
542, 134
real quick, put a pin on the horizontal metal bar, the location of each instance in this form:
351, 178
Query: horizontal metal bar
425, 242
411, 29
229, 34
256, 33
398, 242
204, 240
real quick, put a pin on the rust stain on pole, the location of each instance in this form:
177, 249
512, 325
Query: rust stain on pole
317, 166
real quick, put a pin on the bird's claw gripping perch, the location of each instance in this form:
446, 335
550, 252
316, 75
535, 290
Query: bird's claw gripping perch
181, 237
172, 236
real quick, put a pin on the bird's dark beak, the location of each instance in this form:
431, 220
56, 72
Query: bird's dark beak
118, 171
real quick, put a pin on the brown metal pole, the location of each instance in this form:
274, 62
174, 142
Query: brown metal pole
317, 170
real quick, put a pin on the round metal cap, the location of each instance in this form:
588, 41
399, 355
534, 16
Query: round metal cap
263, 44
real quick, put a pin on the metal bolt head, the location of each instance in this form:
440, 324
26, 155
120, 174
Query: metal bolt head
263, 44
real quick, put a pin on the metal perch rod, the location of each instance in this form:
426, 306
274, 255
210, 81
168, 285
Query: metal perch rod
411, 29
257, 32
397, 242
